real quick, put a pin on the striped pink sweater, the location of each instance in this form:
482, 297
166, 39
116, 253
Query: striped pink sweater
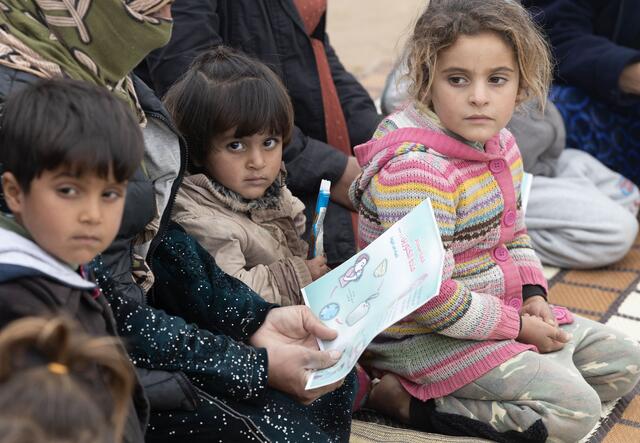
470, 326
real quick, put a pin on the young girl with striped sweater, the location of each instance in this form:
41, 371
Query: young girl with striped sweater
488, 356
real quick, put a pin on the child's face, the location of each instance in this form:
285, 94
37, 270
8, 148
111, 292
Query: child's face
247, 165
475, 86
72, 218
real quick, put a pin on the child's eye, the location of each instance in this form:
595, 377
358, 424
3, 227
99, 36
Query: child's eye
112, 195
497, 80
271, 143
67, 191
235, 146
457, 80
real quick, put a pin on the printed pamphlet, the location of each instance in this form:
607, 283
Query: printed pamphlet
385, 282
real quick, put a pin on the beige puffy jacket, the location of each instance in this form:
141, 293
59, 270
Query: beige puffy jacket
257, 242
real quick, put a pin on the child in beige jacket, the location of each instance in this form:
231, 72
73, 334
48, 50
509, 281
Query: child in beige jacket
236, 117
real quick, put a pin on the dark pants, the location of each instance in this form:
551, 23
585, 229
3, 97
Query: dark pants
278, 419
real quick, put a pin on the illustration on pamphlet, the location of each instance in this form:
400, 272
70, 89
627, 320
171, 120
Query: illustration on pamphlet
381, 269
329, 311
392, 277
354, 272
360, 311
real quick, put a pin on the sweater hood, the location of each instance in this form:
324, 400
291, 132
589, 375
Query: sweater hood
392, 138
409, 130
21, 257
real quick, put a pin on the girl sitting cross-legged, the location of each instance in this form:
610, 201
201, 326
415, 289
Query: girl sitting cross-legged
487, 356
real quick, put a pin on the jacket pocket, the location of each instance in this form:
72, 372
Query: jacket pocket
168, 390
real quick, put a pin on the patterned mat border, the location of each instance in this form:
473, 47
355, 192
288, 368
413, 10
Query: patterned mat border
613, 308
614, 417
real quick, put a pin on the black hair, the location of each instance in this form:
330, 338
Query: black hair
69, 123
225, 89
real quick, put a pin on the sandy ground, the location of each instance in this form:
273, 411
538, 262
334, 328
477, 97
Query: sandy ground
369, 34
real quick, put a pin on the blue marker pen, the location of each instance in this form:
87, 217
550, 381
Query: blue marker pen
318, 222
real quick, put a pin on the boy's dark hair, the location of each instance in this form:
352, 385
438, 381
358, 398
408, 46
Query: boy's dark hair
55, 123
225, 89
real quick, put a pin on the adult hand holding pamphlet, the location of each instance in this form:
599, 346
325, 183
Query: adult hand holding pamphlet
396, 274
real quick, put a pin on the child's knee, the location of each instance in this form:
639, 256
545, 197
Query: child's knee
620, 233
627, 232
628, 374
574, 416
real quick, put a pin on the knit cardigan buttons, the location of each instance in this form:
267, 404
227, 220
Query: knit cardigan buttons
501, 253
496, 166
509, 218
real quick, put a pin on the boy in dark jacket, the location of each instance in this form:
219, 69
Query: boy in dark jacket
68, 150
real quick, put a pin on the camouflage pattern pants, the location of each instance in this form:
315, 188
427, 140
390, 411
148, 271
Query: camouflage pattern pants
563, 388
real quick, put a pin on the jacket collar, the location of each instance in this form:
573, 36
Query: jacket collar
148, 100
212, 190
411, 131
290, 9
278, 205
21, 257
424, 131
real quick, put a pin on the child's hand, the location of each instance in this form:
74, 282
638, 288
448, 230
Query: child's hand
538, 307
317, 267
545, 337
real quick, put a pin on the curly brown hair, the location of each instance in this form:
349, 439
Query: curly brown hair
443, 21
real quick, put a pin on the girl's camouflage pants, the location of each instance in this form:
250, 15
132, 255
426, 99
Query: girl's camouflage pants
564, 389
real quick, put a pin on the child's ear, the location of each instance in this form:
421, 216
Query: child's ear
13, 194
